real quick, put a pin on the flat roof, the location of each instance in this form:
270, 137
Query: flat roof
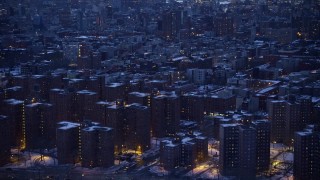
65, 125
229, 125
86, 92
95, 128
140, 94
14, 101
304, 133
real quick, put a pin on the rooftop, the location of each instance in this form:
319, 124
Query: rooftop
96, 128
33, 104
114, 85
65, 125
14, 88
229, 125
14, 101
2, 117
304, 133
139, 94
186, 140
87, 92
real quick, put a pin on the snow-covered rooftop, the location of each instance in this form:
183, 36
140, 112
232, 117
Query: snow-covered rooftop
65, 125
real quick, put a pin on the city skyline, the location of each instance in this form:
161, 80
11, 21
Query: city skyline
154, 89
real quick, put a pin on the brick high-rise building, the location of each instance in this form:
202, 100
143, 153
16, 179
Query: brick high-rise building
68, 144
229, 149
244, 149
89, 146
201, 148
188, 153
97, 84
101, 112
263, 144
292, 121
39, 87
217, 121
141, 98
15, 111
56, 80
105, 147
192, 107
40, 126
88, 143
169, 25
247, 152
115, 91
74, 84
170, 154
306, 106
115, 120
277, 114
223, 25
92, 61
63, 104
306, 163
298, 114
5, 145
137, 127
85, 103
165, 115
183, 150
23, 82
221, 102
131, 124
97, 146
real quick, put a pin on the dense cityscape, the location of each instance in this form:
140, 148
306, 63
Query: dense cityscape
160, 89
